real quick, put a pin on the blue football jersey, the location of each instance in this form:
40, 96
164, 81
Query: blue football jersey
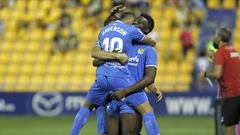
141, 56
117, 36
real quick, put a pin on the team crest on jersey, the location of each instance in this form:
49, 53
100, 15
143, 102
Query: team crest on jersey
140, 50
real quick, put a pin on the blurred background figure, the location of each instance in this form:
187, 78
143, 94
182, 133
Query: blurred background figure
186, 39
64, 40
65, 19
205, 61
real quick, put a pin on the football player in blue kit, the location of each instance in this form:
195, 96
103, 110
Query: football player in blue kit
82, 116
141, 58
97, 94
119, 36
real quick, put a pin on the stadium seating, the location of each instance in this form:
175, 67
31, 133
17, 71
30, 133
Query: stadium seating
229, 4
226, 4
213, 4
27, 65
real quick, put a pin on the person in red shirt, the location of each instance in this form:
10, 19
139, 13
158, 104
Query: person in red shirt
227, 71
186, 39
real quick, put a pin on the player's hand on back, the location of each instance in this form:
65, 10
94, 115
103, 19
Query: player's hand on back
159, 95
156, 90
118, 95
117, 9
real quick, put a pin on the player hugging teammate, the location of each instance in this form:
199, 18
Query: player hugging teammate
123, 36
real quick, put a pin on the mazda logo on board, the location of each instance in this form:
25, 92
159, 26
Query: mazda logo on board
47, 104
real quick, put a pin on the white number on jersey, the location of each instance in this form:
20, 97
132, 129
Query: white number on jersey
114, 44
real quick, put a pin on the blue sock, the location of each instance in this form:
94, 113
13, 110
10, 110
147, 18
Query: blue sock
150, 124
80, 120
101, 120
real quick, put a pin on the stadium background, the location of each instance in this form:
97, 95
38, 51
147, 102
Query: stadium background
46, 69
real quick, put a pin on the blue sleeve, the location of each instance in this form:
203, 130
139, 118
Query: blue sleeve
98, 44
150, 57
136, 34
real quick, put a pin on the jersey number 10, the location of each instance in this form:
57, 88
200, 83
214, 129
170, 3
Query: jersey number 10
113, 44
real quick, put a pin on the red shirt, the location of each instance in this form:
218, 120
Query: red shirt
229, 58
186, 38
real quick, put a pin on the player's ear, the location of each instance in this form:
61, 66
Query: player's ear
146, 30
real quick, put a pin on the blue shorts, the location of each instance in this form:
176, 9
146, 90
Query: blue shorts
98, 92
116, 108
100, 89
137, 98
115, 83
121, 83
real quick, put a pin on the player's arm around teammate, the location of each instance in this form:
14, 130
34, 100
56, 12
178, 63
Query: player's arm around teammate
148, 79
152, 88
97, 62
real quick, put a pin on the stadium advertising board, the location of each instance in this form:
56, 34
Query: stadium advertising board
193, 103
53, 104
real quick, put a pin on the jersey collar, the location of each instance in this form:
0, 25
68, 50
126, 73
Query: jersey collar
119, 21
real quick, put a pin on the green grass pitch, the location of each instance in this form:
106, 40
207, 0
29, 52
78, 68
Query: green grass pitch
31, 125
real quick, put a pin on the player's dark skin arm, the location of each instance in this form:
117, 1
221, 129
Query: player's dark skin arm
153, 88
148, 41
148, 79
216, 73
97, 62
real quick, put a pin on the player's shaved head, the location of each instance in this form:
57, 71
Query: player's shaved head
127, 14
128, 17
144, 22
150, 21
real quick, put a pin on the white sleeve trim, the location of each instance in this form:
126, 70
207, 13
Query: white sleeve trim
98, 45
142, 38
151, 66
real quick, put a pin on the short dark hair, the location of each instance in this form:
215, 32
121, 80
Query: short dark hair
225, 34
127, 14
109, 19
150, 21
